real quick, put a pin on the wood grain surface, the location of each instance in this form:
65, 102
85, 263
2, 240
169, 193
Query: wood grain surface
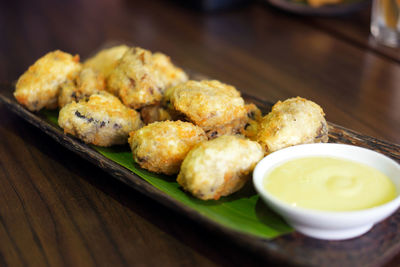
57, 209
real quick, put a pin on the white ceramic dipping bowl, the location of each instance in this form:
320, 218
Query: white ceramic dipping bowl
329, 225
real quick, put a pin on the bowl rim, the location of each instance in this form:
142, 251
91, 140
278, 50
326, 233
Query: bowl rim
258, 179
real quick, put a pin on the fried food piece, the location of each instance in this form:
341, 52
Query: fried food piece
161, 146
216, 107
166, 72
254, 117
141, 78
39, 86
131, 80
292, 122
105, 61
154, 113
219, 167
87, 83
100, 120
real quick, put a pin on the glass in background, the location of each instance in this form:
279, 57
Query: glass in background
385, 22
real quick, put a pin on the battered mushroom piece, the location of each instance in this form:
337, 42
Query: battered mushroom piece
292, 122
87, 83
165, 72
39, 86
105, 61
154, 113
219, 167
216, 107
100, 120
141, 78
254, 117
161, 146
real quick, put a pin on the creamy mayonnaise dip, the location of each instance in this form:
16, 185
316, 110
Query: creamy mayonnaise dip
329, 184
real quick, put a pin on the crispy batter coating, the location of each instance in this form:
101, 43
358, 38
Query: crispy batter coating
161, 146
105, 61
88, 82
216, 107
165, 72
254, 114
292, 122
101, 120
39, 86
141, 77
219, 167
154, 113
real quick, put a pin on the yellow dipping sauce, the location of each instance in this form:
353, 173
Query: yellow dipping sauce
329, 184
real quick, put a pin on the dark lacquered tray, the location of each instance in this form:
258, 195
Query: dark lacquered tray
372, 249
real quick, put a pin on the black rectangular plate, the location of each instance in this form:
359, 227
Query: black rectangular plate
372, 249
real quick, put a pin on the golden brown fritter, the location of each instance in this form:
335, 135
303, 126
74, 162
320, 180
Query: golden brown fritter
254, 117
105, 61
292, 122
154, 113
219, 167
216, 107
39, 86
88, 82
165, 72
100, 120
141, 77
161, 146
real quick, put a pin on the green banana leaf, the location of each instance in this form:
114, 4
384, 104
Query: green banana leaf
243, 211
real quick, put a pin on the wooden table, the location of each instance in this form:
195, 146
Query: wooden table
57, 209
